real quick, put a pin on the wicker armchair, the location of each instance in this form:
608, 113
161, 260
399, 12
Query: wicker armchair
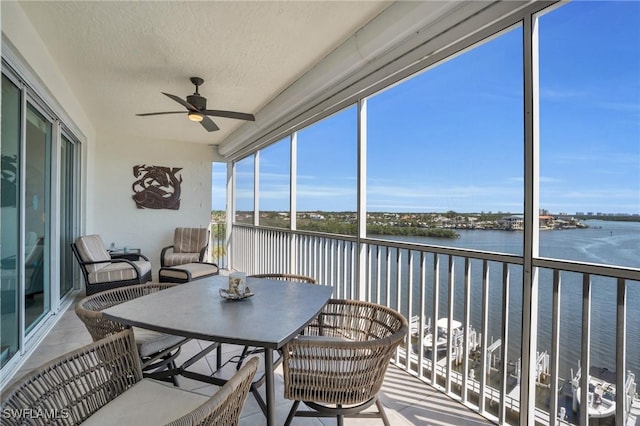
337, 367
102, 383
157, 350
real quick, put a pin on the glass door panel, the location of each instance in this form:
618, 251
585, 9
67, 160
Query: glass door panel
66, 215
9, 219
37, 216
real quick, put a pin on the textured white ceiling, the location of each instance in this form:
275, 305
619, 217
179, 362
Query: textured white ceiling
119, 56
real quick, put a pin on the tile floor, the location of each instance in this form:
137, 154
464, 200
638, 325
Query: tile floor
407, 400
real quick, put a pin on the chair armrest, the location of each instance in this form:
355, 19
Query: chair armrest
140, 255
115, 260
203, 250
97, 262
162, 253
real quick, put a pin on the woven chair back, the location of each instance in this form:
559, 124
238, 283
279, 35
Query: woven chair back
89, 309
286, 277
344, 353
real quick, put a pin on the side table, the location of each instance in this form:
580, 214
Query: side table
130, 254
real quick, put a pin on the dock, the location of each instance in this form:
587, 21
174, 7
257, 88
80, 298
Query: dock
512, 397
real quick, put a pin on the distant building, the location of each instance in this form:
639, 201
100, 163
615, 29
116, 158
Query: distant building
546, 221
512, 223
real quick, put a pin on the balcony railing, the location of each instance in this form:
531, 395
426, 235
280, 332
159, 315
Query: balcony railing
465, 308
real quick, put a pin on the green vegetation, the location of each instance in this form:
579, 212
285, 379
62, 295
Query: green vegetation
614, 218
411, 231
344, 223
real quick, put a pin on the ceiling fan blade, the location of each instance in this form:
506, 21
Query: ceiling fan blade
181, 101
229, 114
208, 124
162, 113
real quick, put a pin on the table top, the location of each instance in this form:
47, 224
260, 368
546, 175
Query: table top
276, 313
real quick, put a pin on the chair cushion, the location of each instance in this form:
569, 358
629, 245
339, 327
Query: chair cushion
197, 270
148, 402
150, 342
91, 249
189, 240
118, 271
174, 259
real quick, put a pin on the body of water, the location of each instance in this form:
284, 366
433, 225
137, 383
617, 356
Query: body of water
604, 242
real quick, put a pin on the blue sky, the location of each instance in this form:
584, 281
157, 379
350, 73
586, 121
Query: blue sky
451, 138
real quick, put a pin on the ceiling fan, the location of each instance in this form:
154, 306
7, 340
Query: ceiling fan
196, 106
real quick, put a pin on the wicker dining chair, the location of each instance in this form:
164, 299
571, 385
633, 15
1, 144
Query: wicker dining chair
337, 367
157, 351
102, 383
286, 277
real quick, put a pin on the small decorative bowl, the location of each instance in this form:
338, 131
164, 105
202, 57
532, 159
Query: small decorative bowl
226, 294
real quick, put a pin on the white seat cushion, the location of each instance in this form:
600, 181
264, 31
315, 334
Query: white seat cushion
119, 271
150, 342
148, 402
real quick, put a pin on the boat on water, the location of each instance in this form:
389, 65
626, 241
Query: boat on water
601, 400
442, 333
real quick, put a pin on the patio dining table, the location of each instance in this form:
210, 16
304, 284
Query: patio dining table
276, 313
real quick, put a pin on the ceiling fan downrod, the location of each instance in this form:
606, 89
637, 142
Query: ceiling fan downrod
197, 81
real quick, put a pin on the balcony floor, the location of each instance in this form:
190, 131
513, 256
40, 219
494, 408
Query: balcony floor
407, 400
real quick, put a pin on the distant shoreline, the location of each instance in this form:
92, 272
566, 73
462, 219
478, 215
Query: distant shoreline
614, 217
433, 225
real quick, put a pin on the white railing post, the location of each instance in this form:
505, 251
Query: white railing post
293, 205
555, 350
585, 351
231, 210
621, 350
361, 264
504, 350
531, 223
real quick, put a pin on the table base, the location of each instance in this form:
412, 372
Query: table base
267, 378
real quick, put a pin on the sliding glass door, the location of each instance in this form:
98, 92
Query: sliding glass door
37, 216
9, 219
67, 213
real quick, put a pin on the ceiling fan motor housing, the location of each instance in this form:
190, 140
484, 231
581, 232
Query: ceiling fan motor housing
200, 102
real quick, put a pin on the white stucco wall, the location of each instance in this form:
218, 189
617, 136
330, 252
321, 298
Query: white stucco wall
118, 220
40, 70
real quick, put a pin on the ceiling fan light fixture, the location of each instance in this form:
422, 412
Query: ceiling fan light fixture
195, 116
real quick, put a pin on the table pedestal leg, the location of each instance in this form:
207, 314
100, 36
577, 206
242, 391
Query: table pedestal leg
269, 387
